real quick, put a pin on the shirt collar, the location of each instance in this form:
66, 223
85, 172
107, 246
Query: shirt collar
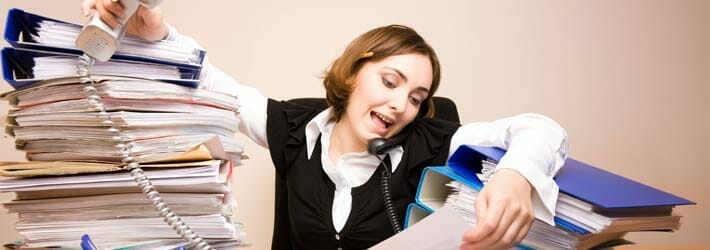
320, 125
314, 128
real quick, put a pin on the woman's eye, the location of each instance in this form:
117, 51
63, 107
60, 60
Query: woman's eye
388, 83
416, 101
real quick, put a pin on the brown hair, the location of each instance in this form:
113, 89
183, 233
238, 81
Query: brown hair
375, 45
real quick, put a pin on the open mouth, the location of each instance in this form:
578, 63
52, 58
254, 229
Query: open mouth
380, 120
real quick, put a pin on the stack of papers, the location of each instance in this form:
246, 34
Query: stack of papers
78, 138
595, 207
43, 48
112, 219
584, 215
63, 89
26, 66
58, 34
118, 232
74, 183
63, 66
540, 236
163, 120
213, 172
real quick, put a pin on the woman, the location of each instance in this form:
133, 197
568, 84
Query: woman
381, 86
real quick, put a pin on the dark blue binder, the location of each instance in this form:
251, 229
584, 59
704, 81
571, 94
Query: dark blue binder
17, 68
21, 24
606, 191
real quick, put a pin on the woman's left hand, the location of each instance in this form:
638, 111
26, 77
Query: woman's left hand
503, 211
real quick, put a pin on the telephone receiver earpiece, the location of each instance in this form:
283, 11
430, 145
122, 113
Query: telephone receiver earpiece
381, 145
377, 146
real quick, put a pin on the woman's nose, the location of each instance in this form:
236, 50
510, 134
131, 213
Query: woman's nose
398, 102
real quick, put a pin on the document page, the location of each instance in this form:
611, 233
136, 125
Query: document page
441, 230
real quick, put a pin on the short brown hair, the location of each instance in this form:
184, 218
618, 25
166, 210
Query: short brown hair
383, 42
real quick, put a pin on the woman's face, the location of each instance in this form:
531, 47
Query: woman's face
387, 95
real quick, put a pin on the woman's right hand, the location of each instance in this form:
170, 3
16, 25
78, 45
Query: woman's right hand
145, 23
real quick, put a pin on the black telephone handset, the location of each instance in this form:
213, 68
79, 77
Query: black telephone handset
377, 147
380, 145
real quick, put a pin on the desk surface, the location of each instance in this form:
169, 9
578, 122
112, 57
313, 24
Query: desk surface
657, 247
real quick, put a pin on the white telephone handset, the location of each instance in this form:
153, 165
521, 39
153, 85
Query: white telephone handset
99, 40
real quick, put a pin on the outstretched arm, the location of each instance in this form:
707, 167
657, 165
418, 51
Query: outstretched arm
252, 110
522, 187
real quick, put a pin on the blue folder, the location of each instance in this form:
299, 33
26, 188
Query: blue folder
415, 212
21, 24
606, 191
437, 177
17, 68
449, 173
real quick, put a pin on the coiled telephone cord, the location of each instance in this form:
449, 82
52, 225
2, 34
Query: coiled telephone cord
125, 144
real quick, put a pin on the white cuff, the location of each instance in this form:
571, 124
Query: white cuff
172, 33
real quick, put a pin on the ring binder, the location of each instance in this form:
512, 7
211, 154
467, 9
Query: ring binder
18, 64
587, 212
20, 26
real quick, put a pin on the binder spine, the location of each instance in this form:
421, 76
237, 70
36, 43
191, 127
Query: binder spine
125, 144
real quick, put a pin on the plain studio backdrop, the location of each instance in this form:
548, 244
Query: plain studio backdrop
628, 80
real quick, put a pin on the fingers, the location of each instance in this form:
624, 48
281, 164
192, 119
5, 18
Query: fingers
524, 231
147, 24
501, 223
108, 10
114, 7
488, 224
481, 206
504, 214
499, 218
505, 228
151, 18
86, 7
509, 236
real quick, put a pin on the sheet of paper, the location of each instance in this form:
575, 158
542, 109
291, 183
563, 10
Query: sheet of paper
55, 168
160, 176
441, 230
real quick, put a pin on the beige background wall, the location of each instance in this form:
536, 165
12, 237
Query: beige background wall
627, 79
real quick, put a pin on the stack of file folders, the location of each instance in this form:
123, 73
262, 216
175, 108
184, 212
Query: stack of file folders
74, 182
43, 48
594, 207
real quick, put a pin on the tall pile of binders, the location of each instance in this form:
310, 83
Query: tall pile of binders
595, 208
74, 183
